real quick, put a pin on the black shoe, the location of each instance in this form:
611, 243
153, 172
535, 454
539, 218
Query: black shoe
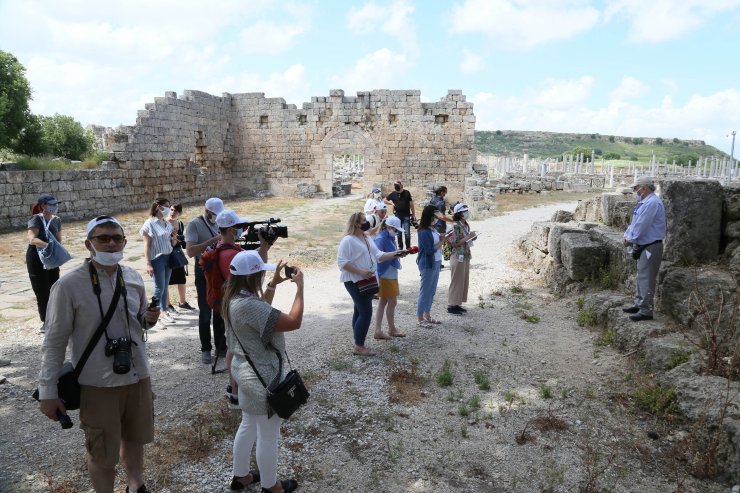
237, 485
142, 489
461, 309
639, 317
631, 309
455, 310
185, 306
288, 486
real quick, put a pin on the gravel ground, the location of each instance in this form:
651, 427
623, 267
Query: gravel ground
383, 423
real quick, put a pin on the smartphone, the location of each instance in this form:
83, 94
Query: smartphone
154, 303
289, 272
399, 253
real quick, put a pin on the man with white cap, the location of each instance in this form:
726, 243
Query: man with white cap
201, 233
645, 233
376, 220
116, 408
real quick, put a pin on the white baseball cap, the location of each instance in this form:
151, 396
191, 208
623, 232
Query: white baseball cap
381, 207
394, 222
248, 262
460, 208
102, 220
228, 218
215, 205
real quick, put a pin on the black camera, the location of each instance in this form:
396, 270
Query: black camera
251, 241
120, 349
414, 222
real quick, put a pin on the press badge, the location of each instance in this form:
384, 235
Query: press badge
461, 258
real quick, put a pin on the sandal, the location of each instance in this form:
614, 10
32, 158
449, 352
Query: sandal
381, 336
425, 324
432, 321
362, 352
288, 486
237, 485
397, 334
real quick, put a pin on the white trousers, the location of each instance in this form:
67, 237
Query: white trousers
266, 432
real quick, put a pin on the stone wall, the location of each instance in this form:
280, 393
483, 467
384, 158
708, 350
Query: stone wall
197, 145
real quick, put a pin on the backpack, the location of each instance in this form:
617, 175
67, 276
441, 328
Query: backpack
214, 280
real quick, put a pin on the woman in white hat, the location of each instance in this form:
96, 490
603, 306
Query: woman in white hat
460, 239
256, 329
388, 280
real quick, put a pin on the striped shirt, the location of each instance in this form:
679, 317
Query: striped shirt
160, 231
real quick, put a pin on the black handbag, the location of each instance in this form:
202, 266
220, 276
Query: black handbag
177, 258
68, 385
286, 396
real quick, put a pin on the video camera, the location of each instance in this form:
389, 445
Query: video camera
250, 240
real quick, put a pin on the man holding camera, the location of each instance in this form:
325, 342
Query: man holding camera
201, 233
403, 209
116, 410
645, 233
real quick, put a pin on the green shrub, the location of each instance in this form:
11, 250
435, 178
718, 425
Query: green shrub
545, 391
605, 339
611, 138
679, 355
612, 155
482, 381
657, 400
587, 317
444, 377
659, 141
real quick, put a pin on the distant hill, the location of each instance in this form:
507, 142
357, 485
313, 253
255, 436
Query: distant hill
553, 145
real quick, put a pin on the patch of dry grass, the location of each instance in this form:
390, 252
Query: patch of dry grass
509, 202
405, 386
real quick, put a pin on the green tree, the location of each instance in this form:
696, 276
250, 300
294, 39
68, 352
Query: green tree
64, 136
15, 92
612, 155
659, 140
582, 150
611, 138
30, 141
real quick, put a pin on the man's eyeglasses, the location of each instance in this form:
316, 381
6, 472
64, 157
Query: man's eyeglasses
107, 238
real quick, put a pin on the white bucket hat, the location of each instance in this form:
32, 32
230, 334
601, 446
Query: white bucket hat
248, 262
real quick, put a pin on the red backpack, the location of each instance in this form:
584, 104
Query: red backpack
214, 279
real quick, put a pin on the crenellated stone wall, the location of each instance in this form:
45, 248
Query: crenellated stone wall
197, 145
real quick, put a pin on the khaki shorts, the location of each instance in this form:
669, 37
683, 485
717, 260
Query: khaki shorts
388, 288
109, 414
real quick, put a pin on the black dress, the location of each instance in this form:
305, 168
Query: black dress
179, 274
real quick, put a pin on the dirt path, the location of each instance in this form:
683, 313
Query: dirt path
384, 424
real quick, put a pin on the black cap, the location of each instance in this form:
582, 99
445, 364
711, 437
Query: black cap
47, 198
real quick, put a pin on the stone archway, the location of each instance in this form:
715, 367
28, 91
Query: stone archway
348, 139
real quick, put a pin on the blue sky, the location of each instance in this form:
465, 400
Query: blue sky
627, 67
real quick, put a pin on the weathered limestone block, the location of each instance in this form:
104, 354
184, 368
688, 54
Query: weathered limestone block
682, 290
731, 204
588, 210
613, 207
553, 240
562, 217
581, 255
693, 220
539, 235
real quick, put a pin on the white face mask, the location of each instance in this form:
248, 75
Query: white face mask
165, 211
636, 195
107, 258
466, 215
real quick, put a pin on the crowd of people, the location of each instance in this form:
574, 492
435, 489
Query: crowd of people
101, 297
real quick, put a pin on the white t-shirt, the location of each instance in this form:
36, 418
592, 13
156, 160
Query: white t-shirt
372, 204
361, 253
160, 231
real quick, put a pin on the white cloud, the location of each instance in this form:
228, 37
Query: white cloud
661, 20
524, 24
393, 19
471, 63
629, 88
381, 69
270, 38
702, 117
565, 94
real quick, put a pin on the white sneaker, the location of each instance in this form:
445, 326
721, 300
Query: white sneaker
42, 328
166, 318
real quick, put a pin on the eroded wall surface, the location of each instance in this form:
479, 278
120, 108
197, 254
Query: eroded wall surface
197, 145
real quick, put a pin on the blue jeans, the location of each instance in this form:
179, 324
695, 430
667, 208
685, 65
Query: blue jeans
162, 274
427, 288
362, 314
406, 225
204, 316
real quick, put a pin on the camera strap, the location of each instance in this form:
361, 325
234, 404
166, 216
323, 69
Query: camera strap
120, 287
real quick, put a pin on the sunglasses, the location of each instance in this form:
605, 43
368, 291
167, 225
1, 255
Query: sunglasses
107, 238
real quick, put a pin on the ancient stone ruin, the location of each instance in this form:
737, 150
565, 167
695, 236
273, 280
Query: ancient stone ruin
696, 298
196, 145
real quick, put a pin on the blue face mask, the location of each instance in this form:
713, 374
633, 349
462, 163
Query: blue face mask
53, 209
